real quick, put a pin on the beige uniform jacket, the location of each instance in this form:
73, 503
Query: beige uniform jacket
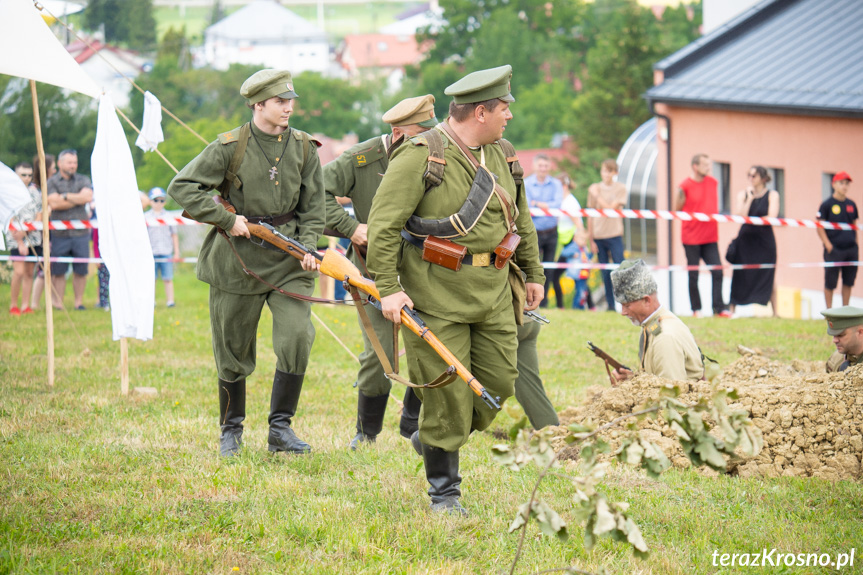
667, 348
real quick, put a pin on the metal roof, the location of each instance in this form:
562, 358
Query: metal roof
781, 56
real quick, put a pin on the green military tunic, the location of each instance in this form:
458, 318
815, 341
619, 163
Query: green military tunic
667, 348
236, 299
841, 362
469, 310
356, 174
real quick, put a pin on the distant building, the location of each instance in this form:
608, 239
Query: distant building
379, 56
779, 86
411, 21
111, 68
267, 34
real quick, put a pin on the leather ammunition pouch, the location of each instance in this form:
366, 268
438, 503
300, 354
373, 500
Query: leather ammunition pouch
443, 253
460, 223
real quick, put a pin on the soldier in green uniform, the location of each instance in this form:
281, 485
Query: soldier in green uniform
529, 391
468, 305
279, 181
356, 174
666, 347
845, 324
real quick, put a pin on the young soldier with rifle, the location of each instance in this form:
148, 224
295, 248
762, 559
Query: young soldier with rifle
271, 174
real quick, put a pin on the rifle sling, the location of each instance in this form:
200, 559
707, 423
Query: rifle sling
249, 272
444, 379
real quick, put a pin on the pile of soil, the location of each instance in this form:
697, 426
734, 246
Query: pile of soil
812, 422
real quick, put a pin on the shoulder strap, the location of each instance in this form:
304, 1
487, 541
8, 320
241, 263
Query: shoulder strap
510, 211
512, 159
433, 175
237, 159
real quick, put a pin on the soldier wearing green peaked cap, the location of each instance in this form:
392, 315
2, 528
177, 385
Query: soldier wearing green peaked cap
470, 309
666, 347
845, 324
278, 180
482, 86
356, 175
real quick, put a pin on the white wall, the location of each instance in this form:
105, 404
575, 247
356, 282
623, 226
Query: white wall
718, 12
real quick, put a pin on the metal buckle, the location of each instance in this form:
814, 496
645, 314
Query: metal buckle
481, 260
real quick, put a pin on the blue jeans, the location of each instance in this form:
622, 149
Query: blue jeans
614, 248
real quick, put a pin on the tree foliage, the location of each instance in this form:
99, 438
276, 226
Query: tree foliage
710, 432
68, 121
129, 23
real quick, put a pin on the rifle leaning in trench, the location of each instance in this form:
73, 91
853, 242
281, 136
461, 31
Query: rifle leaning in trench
610, 362
342, 269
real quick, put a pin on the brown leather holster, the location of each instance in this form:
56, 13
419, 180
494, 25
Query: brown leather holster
505, 249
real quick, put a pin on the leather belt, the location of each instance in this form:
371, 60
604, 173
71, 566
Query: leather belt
272, 220
480, 260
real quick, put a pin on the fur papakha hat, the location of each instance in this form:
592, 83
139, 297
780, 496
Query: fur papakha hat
632, 281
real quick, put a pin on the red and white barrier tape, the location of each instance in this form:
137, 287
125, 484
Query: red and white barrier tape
584, 212
690, 216
547, 265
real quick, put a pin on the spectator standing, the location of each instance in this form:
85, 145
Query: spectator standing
69, 194
164, 241
50, 170
756, 244
545, 192
577, 251
839, 245
24, 244
698, 193
606, 234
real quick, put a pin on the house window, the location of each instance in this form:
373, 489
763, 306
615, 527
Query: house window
826, 185
777, 183
722, 173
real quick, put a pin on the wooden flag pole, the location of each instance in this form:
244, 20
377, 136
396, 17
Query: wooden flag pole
124, 366
46, 241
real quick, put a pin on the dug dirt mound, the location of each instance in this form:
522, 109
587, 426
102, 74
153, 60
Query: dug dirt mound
812, 422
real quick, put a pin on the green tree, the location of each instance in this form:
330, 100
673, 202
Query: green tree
130, 23
333, 107
68, 121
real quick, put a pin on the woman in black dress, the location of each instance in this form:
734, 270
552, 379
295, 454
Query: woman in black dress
756, 244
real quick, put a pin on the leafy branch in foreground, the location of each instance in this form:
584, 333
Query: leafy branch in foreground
732, 429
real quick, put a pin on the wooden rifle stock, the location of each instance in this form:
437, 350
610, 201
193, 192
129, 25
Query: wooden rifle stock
609, 361
339, 267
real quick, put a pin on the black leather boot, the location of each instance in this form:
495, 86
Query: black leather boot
283, 406
232, 412
444, 480
410, 413
370, 418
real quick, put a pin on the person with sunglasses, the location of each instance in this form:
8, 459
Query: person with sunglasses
164, 241
24, 244
756, 244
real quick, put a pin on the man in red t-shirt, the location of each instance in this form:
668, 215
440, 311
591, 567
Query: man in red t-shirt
699, 194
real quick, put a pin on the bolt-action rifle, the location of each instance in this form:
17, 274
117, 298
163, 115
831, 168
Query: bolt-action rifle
342, 269
610, 362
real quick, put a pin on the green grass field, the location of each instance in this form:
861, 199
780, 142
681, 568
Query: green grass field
338, 19
93, 481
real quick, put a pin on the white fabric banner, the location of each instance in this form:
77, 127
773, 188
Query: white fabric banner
151, 126
123, 239
30, 50
13, 197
